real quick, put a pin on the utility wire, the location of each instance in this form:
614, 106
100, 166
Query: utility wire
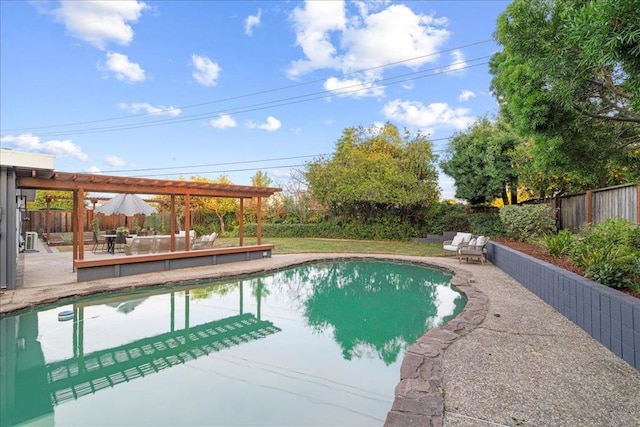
249, 95
239, 163
271, 104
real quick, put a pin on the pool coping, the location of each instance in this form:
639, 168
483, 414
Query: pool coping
419, 396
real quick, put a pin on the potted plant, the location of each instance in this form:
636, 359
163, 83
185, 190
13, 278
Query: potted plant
95, 226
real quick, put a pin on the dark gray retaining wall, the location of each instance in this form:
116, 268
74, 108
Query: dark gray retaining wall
608, 315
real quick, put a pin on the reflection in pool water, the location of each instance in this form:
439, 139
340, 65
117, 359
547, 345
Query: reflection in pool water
316, 344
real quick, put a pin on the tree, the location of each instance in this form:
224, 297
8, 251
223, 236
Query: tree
569, 56
568, 79
480, 161
60, 200
375, 171
220, 206
261, 179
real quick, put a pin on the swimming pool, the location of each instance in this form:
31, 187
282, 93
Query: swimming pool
314, 344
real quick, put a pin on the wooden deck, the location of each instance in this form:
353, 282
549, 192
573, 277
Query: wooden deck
104, 268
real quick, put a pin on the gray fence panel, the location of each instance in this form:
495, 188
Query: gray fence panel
573, 212
619, 202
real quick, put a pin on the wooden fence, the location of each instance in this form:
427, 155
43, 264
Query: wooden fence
61, 222
595, 206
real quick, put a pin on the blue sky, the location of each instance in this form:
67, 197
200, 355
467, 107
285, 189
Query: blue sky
172, 89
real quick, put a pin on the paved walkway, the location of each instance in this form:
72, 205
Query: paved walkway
508, 360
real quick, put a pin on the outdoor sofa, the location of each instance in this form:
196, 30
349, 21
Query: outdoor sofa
139, 245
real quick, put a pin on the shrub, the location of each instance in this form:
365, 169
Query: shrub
67, 239
528, 221
380, 229
446, 217
486, 224
610, 274
558, 245
609, 254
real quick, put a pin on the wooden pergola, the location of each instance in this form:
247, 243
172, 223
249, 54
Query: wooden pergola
80, 184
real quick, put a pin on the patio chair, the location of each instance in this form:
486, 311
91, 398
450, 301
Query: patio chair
453, 245
97, 243
474, 249
120, 241
205, 242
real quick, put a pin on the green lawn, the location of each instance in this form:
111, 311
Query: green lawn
291, 245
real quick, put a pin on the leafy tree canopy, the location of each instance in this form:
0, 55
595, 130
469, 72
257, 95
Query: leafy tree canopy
563, 58
480, 160
59, 200
220, 206
261, 179
375, 170
568, 78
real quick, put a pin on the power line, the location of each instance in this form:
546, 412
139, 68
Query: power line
239, 163
273, 104
249, 95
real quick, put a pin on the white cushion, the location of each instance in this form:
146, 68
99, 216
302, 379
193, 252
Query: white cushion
472, 242
481, 241
466, 236
456, 240
461, 237
450, 248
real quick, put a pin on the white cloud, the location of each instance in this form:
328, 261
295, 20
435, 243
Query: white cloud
251, 22
114, 161
271, 125
353, 87
206, 71
439, 114
313, 24
122, 68
29, 142
224, 121
94, 169
466, 95
100, 22
332, 37
458, 64
145, 107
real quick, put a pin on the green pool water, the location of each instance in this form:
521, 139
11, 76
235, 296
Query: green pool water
316, 344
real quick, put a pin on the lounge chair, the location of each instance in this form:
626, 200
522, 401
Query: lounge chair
453, 245
474, 249
206, 242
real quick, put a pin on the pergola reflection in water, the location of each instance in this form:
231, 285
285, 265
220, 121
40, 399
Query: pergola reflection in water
36, 387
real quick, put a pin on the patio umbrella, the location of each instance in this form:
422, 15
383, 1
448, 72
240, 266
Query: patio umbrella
126, 204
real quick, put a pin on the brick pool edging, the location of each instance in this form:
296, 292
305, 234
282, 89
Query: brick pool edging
419, 397
611, 317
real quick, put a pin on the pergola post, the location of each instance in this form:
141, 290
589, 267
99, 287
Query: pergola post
259, 214
80, 212
241, 222
47, 219
187, 221
172, 223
